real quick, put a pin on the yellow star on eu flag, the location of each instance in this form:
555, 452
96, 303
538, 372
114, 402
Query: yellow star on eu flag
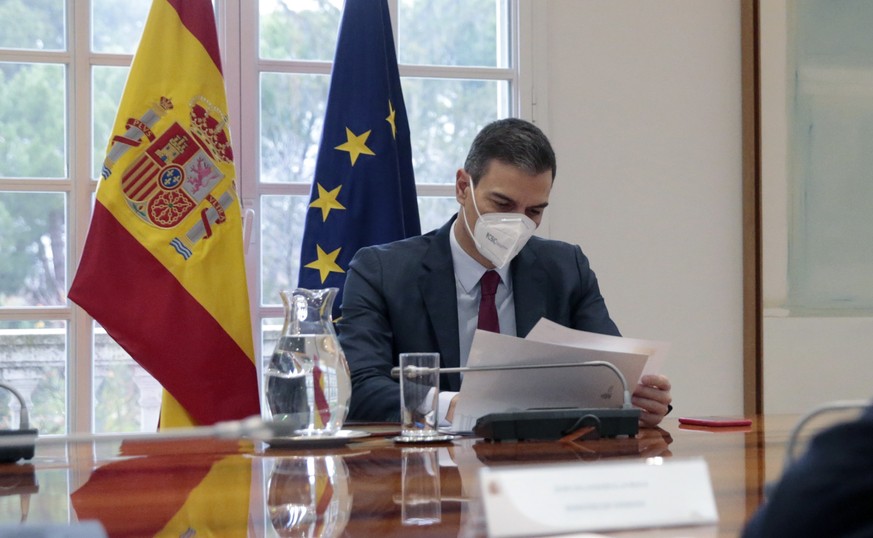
355, 145
326, 263
390, 119
327, 201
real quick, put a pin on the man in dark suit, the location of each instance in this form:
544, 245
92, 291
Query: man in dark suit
828, 491
423, 293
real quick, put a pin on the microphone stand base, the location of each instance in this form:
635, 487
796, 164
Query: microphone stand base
551, 424
17, 444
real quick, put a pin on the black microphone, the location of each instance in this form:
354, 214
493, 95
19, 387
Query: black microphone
17, 444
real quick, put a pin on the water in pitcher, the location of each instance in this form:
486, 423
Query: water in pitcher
307, 385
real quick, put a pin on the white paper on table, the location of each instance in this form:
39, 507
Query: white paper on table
499, 391
550, 332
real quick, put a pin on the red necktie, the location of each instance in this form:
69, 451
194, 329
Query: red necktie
487, 308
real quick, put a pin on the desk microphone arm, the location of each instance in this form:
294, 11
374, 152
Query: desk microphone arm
418, 370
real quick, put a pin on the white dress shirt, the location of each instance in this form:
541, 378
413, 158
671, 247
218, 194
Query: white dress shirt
468, 272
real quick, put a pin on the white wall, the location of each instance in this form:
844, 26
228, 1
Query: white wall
642, 101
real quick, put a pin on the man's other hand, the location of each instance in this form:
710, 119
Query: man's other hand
652, 395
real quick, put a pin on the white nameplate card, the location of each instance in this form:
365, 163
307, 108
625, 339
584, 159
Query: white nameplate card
550, 499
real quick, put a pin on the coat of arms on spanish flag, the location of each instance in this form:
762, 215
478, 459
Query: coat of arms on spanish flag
162, 268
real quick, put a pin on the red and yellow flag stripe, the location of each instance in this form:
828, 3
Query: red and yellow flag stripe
162, 269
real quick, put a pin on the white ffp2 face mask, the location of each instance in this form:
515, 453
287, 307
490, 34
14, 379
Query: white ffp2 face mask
499, 236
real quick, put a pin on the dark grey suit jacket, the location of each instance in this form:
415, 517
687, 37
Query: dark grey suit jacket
828, 491
400, 297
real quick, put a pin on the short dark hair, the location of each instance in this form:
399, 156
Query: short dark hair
512, 141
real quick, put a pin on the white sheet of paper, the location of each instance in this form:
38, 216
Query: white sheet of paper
534, 500
499, 391
548, 331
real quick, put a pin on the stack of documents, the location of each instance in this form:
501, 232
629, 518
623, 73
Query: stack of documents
498, 391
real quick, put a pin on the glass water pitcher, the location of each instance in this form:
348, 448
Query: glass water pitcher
306, 383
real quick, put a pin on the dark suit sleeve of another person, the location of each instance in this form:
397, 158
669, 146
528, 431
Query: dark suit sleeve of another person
828, 491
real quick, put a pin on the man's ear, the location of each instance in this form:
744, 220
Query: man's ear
462, 185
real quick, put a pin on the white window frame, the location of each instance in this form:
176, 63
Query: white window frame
237, 30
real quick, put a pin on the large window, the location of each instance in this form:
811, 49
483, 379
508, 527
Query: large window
831, 196
63, 64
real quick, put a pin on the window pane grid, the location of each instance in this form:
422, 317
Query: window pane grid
35, 192
93, 69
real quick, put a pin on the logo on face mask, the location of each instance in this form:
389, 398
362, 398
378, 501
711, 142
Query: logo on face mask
499, 237
490, 237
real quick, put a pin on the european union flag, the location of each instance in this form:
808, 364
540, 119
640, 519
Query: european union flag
363, 192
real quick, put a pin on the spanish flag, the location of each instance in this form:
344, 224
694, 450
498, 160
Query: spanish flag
162, 268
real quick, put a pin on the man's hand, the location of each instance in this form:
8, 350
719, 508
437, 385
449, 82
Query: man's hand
450, 414
652, 395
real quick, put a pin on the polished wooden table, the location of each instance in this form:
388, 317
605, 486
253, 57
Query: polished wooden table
200, 487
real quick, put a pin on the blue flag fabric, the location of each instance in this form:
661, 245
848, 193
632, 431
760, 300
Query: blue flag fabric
363, 192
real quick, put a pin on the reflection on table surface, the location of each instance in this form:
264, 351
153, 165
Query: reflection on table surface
368, 487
